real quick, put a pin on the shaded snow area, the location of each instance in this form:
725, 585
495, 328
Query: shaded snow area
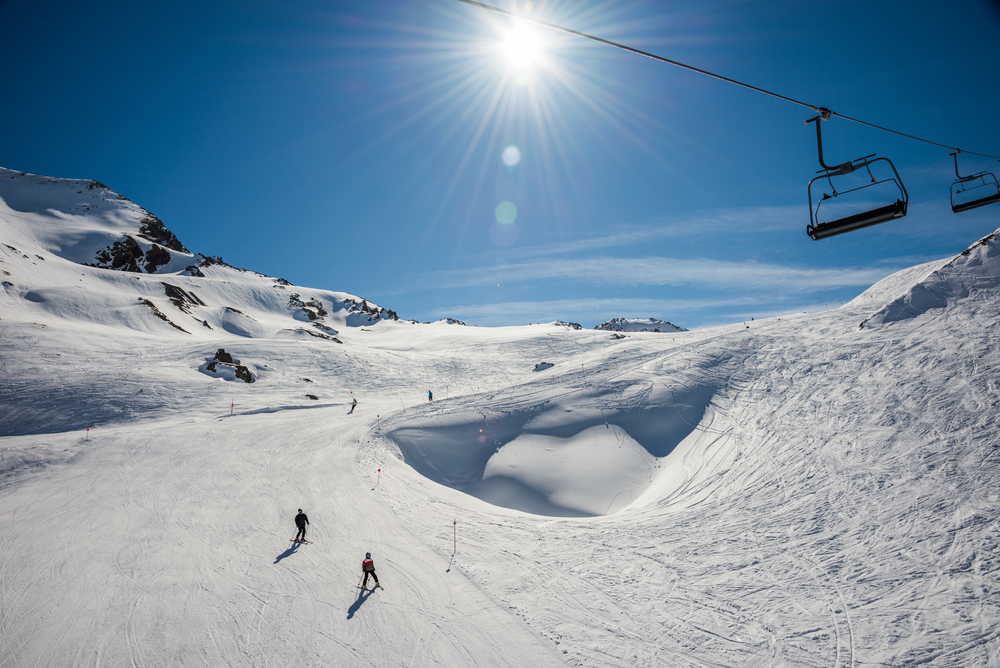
816, 490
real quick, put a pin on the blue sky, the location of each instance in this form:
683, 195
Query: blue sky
365, 146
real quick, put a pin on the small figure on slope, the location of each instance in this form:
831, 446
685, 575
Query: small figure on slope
368, 566
353, 404
301, 521
430, 396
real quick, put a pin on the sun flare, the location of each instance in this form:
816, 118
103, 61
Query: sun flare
522, 47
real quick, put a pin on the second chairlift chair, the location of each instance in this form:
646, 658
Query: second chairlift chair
968, 184
821, 230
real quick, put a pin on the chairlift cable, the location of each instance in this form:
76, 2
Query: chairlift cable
821, 110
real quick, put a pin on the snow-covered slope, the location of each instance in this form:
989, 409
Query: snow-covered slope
805, 492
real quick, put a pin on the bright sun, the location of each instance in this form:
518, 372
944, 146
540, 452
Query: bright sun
522, 47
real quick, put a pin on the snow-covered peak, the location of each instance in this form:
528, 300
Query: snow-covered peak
639, 325
51, 226
86, 222
935, 285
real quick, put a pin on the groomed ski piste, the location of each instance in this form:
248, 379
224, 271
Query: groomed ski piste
817, 490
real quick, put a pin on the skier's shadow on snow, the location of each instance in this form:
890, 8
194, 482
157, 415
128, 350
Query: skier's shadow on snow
362, 597
287, 553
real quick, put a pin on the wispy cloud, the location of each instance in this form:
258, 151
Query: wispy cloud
612, 271
760, 219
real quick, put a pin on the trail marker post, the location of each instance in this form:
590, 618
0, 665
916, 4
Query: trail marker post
454, 526
379, 478
88, 434
232, 403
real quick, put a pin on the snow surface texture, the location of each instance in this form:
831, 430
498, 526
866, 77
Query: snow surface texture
816, 490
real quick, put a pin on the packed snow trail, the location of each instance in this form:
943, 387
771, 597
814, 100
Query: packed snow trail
166, 544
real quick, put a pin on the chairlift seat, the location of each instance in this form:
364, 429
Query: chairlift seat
857, 221
976, 203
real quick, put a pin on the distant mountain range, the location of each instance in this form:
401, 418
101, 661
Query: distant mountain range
639, 325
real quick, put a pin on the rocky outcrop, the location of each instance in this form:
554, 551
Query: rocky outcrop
152, 228
181, 298
159, 314
313, 309
127, 255
223, 362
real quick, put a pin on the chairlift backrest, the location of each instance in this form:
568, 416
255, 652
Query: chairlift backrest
821, 230
980, 180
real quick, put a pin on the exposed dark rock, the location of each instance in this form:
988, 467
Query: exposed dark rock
236, 310
313, 397
313, 308
159, 314
193, 270
243, 373
180, 298
156, 257
121, 255
328, 330
225, 359
153, 229
317, 335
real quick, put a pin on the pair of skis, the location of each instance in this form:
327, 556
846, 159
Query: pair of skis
302, 541
377, 586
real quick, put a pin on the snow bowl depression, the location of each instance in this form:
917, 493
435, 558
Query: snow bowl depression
576, 455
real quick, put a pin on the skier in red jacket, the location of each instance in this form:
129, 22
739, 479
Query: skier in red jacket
368, 566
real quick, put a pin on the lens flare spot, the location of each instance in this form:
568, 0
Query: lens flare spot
506, 213
511, 155
503, 235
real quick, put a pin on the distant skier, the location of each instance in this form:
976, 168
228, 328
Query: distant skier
301, 521
430, 396
368, 566
353, 404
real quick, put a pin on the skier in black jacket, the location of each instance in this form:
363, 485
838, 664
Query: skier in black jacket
301, 521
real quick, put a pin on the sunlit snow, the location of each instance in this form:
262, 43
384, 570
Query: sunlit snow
810, 490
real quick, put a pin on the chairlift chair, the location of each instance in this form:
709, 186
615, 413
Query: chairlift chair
970, 183
821, 230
